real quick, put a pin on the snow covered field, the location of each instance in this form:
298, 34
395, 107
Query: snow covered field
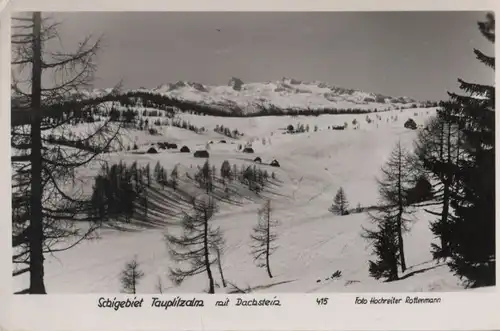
313, 243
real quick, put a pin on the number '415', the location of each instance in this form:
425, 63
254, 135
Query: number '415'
322, 301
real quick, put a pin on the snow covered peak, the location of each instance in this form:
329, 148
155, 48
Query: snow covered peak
235, 83
187, 85
285, 93
291, 81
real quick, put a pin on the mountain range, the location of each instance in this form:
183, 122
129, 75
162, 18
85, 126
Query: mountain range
286, 93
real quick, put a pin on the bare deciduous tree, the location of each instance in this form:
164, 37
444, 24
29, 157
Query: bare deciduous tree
196, 245
219, 251
47, 204
263, 238
391, 218
437, 150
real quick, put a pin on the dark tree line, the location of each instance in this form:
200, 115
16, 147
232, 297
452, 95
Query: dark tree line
253, 177
188, 126
171, 105
227, 131
121, 191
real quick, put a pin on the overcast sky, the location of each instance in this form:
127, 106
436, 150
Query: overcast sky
415, 54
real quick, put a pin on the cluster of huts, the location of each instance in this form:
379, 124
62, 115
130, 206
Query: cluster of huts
184, 149
274, 163
201, 153
160, 145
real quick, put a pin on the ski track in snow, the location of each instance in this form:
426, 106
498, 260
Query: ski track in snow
313, 243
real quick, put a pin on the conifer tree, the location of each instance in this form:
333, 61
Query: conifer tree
204, 177
225, 171
471, 229
214, 173
340, 203
162, 178
385, 248
130, 277
147, 173
157, 170
235, 172
174, 178
436, 150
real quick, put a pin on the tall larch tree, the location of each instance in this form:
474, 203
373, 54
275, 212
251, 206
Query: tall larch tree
392, 213
263, 238
198, 244
46, 102
437, 149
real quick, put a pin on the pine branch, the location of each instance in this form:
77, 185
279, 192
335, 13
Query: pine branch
488, 28
487, 60
477, 89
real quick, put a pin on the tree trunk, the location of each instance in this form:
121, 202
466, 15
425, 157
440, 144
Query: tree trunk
400, 244
211, 289
220, 268
133, 281
268, 267
37, 285
400, 214
444, 219
394, 273
268, 243
446, 196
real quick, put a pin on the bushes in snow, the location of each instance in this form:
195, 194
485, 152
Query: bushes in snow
187, 125
227, 131
201, 154
410, 124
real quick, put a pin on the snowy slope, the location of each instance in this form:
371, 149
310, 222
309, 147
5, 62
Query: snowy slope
313, 243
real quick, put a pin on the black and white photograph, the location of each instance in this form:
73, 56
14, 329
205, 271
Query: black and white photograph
252, 152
